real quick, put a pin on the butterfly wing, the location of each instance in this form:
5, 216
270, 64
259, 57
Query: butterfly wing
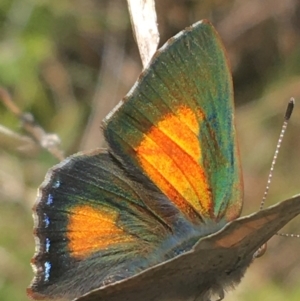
227, 254
176, 125
91, 228
171, 176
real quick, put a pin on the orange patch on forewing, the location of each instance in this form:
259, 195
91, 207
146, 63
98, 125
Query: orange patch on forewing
168, 189
170, 154
90, 230
190, 118
183, 129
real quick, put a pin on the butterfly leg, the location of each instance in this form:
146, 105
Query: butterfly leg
218, 295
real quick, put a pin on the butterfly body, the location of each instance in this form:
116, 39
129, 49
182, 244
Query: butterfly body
154, 217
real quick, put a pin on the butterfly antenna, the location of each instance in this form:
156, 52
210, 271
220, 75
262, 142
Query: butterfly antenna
287, 117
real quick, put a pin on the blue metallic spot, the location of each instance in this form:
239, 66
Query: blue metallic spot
46, 220
56, 184
47, 244
49, 199
47, 266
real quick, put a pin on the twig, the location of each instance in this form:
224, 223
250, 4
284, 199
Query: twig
143, 20
38, 136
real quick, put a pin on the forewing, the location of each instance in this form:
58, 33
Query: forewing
176, 125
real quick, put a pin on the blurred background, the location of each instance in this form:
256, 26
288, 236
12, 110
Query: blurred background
69, 62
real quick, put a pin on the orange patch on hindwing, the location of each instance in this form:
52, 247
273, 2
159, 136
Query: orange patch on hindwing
170, 154
91, 230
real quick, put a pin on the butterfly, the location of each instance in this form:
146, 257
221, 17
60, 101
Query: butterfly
156, 215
